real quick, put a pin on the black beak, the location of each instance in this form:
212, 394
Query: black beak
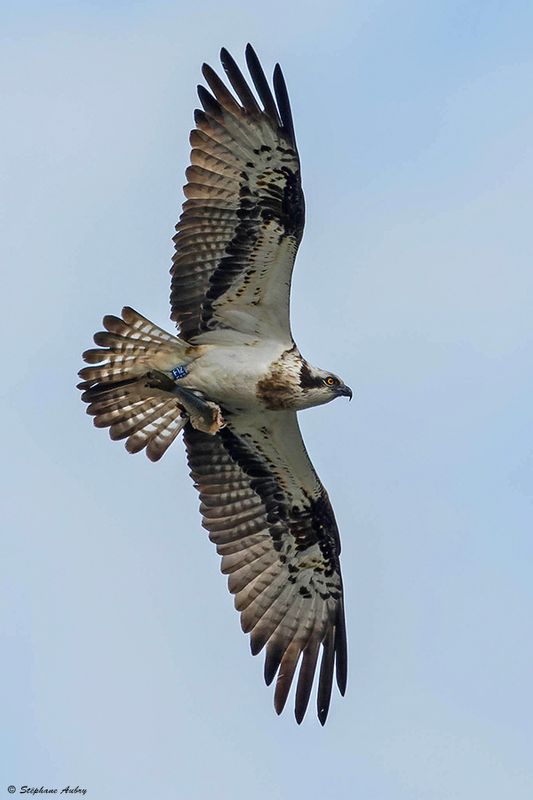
344, 391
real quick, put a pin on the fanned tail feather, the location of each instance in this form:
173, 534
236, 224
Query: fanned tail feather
128, 391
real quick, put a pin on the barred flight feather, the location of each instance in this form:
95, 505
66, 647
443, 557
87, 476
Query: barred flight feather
282, 568
244, 208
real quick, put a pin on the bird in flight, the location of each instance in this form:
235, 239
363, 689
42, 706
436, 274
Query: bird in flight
233, 381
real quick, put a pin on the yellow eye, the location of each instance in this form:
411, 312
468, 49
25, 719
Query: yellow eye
330, 381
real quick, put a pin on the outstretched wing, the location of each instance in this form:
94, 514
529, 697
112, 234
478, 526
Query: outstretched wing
243, 219
270, 517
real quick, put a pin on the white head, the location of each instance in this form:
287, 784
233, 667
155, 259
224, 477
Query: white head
319, 386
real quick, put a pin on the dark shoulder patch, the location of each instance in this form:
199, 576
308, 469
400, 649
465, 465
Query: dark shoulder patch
278, 389
307, 379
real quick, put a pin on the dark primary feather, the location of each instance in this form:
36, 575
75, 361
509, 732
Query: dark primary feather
280, 547
243, 219
238, 81
282, 97
261, 84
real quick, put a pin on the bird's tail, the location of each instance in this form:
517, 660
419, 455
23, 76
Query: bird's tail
130, 393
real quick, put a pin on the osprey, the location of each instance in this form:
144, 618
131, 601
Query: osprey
233, 381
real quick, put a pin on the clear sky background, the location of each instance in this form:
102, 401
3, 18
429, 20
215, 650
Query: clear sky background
123, 666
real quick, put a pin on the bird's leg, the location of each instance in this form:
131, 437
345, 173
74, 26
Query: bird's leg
203, 414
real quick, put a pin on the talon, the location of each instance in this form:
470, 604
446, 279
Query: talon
158, 380
204, 415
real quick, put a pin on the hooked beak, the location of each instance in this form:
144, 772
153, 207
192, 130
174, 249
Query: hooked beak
344, 391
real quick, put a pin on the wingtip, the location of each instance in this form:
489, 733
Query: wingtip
210, 103
255, 646
250, 53
225, 55
280, 86
273, 658
342, 677
269, 673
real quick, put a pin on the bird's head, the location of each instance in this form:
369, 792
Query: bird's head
319, 386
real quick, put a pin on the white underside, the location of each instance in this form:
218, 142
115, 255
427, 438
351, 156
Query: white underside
228, 373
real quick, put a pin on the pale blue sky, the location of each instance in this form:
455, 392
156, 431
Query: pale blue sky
124, 669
